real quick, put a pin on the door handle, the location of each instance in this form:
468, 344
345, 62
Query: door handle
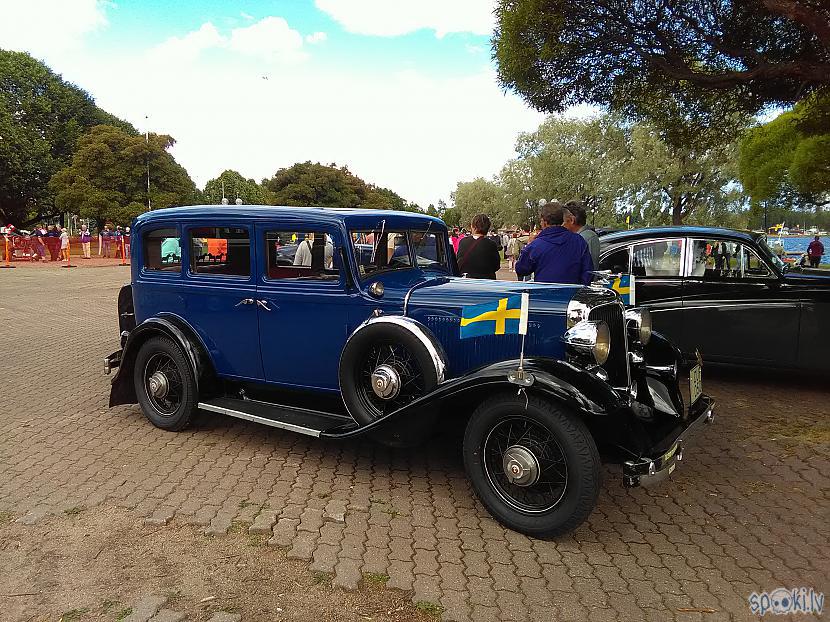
245, 301
264, 305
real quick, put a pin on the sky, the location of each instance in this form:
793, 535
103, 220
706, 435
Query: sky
403, 93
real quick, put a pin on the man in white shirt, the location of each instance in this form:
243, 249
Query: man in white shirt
303, 256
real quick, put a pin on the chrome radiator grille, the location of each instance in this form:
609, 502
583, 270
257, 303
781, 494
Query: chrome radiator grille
617, 363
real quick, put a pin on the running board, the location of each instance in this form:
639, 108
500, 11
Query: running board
292, 418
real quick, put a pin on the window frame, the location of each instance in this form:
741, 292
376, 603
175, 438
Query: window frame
684, 252
263, 229
152, 271
186, 234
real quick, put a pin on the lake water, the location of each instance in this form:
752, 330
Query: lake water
800, 244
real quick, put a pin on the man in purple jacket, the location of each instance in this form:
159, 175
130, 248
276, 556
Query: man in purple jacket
556, 255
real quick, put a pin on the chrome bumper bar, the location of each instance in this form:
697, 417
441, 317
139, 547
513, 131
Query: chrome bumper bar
647, 471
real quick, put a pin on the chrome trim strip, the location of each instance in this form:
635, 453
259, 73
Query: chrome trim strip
419, 285
253, 418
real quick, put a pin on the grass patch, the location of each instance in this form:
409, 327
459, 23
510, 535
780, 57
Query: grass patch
391, 511
375, 578
246, 504
431, 609
323, 495
238, 526
123, 614
73, 615
800, 431
6, 518
74, 511
256, 539
322, 578
108, 605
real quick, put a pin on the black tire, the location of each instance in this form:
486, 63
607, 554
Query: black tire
377, 344
175, 410
556, 502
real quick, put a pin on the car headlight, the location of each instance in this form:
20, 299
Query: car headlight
638, 321
588, 338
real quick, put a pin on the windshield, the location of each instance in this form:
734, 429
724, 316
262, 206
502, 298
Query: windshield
381, 250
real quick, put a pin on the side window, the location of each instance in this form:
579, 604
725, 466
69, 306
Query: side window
429, 249
752, 266
224, 251
379, 250
616, 262
660, 259
161, 250
714, 259
300, 255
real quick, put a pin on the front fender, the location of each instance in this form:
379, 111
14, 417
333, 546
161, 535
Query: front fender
169, 325
579, 390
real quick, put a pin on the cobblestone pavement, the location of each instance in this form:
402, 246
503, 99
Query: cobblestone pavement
746, 511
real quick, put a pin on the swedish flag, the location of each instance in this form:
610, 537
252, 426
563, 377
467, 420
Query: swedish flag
624, 286
506, 316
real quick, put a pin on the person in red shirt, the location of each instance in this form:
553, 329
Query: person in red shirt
815, 252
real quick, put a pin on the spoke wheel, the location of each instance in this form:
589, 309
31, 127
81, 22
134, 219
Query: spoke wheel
406, 379
163, 384
525, 465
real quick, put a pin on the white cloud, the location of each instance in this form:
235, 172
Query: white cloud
316, 37
188, 47
47, 29
391, 18
270, 38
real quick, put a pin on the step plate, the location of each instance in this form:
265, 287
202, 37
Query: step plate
300, 420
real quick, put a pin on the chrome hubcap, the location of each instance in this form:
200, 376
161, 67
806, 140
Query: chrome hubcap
521, 466
386, 382
157, 385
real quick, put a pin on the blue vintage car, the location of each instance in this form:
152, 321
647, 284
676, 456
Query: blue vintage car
339, 323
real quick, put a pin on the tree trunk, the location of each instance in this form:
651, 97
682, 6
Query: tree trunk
677, 210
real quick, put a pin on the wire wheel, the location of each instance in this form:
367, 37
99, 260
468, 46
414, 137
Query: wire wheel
163, 384
525, 465
396, 363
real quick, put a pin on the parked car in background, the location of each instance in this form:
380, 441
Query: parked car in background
371, 331
725, 293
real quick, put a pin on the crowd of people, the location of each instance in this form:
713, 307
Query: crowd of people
52, 242
563, 250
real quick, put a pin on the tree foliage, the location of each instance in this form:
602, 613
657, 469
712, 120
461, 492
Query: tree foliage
479, 196
699, 62
235, 185
316, 184
107, 178
788, 159
41, 119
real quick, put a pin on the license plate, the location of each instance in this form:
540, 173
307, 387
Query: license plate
695, 384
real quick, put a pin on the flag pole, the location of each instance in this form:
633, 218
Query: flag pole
519, 376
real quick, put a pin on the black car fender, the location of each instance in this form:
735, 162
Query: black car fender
581, 391
168, 325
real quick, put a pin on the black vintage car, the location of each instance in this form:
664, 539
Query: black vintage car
725, 293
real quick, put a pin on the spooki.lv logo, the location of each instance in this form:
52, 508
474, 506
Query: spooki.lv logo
787, 600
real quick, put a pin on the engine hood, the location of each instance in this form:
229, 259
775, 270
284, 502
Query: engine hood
438, 303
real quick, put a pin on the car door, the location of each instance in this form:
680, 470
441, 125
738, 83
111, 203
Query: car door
736, 309
302, 304
657, 269
219, 293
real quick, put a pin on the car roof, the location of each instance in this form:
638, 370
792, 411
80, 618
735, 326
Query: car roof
644, 233
352, 218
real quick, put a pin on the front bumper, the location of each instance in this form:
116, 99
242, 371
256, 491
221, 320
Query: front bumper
112, 361
651, 469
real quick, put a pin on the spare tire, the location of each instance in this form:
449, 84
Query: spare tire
387, 363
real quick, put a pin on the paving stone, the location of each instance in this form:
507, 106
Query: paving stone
168, 615
223, 616
146, 608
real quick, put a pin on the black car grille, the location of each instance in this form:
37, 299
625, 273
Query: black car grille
617, 363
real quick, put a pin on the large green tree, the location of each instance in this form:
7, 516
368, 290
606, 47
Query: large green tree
234, 185
307, 183
691, 61
479, 196
787, 160
41, 119
107, 178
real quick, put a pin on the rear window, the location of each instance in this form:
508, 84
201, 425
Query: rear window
222, 251
162, 250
